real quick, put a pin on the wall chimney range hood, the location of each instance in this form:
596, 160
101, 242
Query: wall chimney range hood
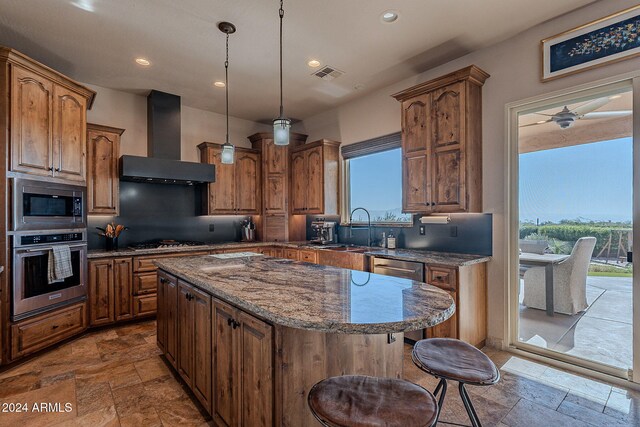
163, 166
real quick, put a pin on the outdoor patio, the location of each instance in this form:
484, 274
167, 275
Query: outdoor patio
602, 333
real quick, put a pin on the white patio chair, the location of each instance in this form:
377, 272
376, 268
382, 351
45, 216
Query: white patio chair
569, 277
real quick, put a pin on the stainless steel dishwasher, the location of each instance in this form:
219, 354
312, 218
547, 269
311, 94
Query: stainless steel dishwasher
405, 270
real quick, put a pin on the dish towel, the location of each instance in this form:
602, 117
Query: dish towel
59, 264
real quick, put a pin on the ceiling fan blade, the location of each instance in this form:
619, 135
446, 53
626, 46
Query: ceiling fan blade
591, 106
606, 114
536, 123
542, 114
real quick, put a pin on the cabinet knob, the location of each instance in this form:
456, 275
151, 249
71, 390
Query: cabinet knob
163, 280
230, 321
50, 168
57, 169
235, 324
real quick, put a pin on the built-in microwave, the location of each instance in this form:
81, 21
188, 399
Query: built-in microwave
41, 205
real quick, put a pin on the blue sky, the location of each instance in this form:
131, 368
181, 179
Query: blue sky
376, 181
589, 181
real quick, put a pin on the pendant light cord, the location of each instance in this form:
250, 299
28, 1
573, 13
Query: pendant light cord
281, 13
226, 84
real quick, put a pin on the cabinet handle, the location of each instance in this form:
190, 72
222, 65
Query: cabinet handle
235, 324
163, 280
57, 169
230, 321
433, 203
55, 327
50, 168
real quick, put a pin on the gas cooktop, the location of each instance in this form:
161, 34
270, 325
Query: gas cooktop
160, 244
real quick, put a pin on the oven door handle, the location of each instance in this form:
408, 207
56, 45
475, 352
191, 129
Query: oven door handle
49, 249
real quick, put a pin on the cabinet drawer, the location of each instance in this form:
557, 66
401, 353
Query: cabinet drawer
290, 254
144, 283
145, 305
46, 329
441, 277
309, 256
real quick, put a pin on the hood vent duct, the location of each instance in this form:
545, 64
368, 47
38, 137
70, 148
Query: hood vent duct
163, 166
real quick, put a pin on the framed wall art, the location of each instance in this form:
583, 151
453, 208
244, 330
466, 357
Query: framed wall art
606, 40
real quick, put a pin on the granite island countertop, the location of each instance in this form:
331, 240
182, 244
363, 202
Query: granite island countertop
417, 255
315, 297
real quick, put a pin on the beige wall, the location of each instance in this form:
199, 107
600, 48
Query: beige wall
514, 66
129, 111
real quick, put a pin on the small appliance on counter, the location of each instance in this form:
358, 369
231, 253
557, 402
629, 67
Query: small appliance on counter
248, 230
324, 232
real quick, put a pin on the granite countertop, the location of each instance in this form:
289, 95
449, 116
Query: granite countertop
427, 257
315, 297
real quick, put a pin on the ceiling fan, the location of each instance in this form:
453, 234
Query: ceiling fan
565, 117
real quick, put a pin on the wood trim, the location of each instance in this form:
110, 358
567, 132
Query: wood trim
103, 128
294, 137
372, 146
472, 73
15, 57
318, 143
206, 144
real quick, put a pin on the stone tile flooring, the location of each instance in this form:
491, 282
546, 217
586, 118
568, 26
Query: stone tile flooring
116, 377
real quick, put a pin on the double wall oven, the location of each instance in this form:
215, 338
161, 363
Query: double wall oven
46, 215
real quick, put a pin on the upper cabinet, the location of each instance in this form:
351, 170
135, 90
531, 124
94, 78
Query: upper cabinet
103, 148
48, 119
442, 143
238, 186
315, 178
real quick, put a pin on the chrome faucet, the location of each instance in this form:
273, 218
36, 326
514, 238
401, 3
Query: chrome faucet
368, 224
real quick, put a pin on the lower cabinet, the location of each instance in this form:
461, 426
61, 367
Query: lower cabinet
110, 291
224, 354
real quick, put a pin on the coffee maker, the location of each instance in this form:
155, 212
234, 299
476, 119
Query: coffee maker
324, 232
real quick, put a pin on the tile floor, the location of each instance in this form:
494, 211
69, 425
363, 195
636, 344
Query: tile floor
116, 377
603, 333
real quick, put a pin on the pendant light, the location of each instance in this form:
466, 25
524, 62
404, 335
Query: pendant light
228, 150
281, 125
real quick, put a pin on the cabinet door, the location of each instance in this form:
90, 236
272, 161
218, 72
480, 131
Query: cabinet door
161, 317
122, 289
101, 298
255, 359
225, 367
275, 159
447, 149
171, 313
298, 183
201, 347
315, 181
248, 189
415, 155
102, 172
31, 122
221, 192
69, 134
185, 333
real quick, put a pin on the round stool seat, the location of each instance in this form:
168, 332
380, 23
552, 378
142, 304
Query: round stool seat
362, 401
456, 360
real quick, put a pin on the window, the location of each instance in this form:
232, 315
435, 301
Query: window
374, 180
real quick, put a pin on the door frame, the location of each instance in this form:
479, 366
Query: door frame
623, 82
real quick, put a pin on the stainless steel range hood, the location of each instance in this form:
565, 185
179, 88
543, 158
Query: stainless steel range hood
163, 164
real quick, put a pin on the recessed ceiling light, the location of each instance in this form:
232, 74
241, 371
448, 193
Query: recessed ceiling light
314, 63
143, 61
389, 16
219, 83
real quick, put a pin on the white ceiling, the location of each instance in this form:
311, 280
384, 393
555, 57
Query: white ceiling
96, 41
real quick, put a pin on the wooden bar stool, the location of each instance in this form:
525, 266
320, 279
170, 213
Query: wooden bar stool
362, 401
451, 359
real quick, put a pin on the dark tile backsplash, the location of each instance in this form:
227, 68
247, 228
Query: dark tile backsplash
156, 211
473, 234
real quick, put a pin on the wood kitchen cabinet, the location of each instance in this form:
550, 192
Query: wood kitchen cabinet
48, 120
242, 368
194, 341
103, 181
275, 224
315, 178
467, 285
167, 335
442, 143
110, 291
238, 186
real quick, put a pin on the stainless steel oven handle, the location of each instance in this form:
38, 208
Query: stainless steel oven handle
386, 267
49, 249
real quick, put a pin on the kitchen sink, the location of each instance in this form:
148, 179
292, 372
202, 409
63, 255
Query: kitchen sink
346, 248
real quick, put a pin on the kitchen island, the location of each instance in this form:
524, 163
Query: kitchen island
251, 334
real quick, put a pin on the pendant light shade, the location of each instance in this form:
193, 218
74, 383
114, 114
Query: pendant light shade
281, 128
228, 150
228, 154
281, 125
